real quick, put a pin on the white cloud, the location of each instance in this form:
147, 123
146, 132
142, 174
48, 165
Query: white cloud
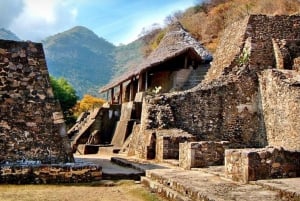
41, 18
9, 11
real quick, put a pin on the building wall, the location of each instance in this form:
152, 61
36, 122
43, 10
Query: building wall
227, 112
281, 108
31, 121
261, 30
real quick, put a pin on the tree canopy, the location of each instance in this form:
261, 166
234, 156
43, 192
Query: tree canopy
86, 103
66, 95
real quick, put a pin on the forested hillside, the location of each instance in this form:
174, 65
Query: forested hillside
80, 56
208, 18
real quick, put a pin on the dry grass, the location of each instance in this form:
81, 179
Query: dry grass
104, 191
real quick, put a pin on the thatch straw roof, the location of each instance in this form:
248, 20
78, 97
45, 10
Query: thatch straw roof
177, 41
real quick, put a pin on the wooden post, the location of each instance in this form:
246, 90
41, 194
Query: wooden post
185, 61
146, 81
131, 95
112, 96
121, 93
141, 86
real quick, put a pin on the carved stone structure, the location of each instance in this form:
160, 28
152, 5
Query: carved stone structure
34, 146
250, 95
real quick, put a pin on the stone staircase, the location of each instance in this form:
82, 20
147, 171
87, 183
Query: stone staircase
208, 184
85, 122
196, 76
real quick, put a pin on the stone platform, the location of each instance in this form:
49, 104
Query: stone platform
202, 184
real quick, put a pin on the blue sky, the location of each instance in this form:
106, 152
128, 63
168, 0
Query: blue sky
118, 21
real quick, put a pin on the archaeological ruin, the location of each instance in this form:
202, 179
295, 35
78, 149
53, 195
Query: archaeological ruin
238, 111
244, 110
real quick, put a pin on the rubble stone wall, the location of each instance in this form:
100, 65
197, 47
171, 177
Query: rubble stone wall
225, 112
232, 43
31, 122
245, 165
49, 174
201, 154
261, 30
281, 108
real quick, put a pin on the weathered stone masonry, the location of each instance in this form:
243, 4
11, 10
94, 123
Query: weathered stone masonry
244, 100
31, 123
281, 106
33, 144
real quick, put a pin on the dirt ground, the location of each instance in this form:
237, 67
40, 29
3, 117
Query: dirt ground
103, 191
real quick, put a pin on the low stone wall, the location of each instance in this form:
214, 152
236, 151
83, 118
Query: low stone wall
201, 154
245, 165
167, 144
49, 173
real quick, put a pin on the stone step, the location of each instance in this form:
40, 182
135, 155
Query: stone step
163, 190
198, 185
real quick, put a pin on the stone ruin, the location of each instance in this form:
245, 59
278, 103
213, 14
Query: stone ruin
33, 142
248, 99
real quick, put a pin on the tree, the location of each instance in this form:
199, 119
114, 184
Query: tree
66, 95
86, 103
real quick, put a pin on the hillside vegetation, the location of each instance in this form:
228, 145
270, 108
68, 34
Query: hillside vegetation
207, 20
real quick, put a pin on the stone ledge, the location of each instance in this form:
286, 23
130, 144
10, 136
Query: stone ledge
49, 173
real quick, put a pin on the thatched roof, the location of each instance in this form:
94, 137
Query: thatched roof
176, 42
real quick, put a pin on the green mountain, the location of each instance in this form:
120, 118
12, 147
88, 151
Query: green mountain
8, 35
81, 57
127, 56
85, 60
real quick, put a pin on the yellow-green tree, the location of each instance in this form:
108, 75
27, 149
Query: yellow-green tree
86, 103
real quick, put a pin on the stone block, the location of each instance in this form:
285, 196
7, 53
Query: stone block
201, 154
167, 143
244, 165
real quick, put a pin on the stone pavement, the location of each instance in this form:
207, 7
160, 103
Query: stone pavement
177, 184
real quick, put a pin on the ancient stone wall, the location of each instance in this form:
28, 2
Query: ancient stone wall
49, 173
245, 165
281, 107
201, 154
260, 30
31, 123
225, 112
231, 44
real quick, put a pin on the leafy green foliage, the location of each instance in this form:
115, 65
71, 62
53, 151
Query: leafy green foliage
66, 95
